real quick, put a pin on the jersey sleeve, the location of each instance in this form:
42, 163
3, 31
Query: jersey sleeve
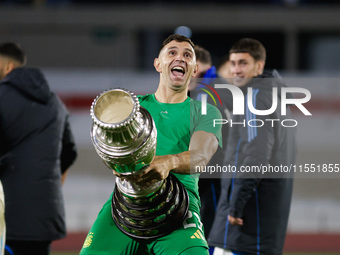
209, 122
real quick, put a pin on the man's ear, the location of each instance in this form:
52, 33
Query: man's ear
9, 66
157, 65
260, 67
195, 71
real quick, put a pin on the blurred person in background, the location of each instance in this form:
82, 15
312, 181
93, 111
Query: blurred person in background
253, 209
36, 149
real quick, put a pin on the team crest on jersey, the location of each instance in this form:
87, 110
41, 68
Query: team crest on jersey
88, 240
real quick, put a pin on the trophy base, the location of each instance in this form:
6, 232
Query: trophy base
152, 216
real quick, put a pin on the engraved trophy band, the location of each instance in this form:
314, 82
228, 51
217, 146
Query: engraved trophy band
124, 136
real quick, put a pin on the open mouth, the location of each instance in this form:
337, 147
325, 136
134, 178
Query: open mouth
178, 71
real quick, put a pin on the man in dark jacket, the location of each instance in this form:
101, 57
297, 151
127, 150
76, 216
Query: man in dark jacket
36, 149
253, 210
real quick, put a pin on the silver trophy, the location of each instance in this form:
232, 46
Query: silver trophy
124, 136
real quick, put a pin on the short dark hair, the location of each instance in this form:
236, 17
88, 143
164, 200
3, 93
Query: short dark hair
202, 55
12, 50
177, 38
251, 46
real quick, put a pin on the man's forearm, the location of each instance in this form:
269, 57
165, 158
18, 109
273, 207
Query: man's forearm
185, 162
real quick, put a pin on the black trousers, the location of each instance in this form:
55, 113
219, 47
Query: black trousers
15, 247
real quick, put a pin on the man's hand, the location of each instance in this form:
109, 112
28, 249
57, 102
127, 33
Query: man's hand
235, 221
158, 170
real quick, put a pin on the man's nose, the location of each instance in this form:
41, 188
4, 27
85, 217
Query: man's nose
180, 58
236, 69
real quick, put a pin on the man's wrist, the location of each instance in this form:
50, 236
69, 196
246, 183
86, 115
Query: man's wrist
176, 161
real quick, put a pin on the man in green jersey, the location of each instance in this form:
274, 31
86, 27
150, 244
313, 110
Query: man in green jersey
186, 140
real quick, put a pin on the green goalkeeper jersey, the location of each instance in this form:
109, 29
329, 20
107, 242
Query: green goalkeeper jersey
175, 125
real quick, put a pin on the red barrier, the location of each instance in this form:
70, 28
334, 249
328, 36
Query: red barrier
312, 243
